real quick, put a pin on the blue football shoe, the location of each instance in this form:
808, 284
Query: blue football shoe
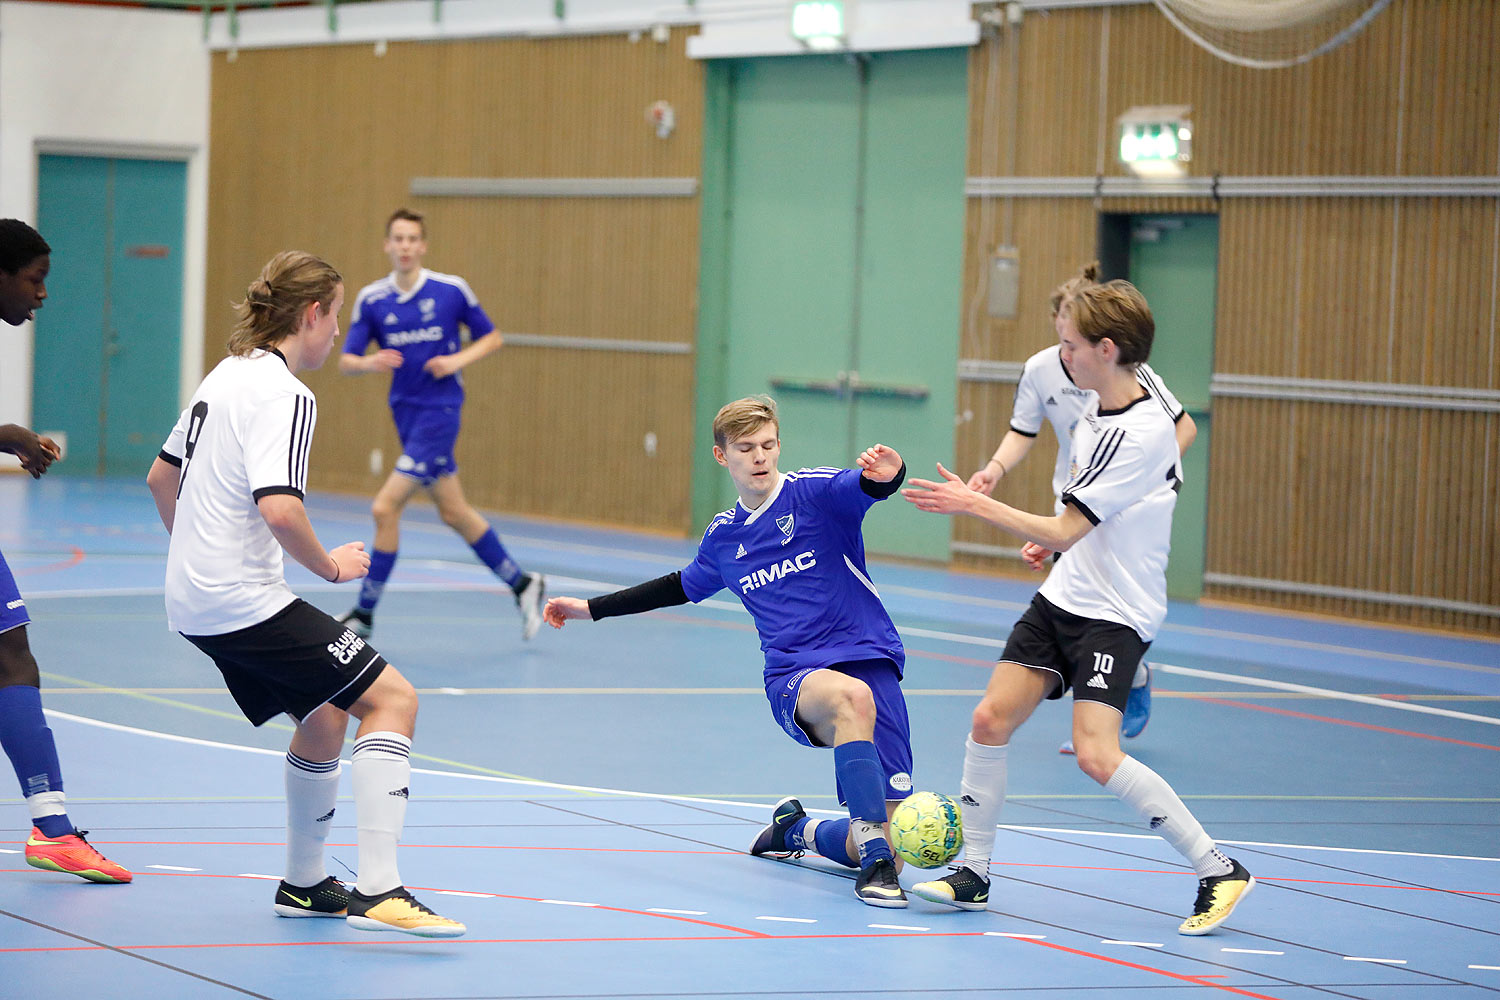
1137, 709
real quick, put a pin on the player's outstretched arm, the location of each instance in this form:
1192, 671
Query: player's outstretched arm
880, 464
446, 364
561, 609
387, 359
953, 496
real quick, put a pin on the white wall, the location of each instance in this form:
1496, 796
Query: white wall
90, 79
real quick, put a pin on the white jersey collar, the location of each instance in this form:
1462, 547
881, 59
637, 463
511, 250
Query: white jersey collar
408, 296
771, 499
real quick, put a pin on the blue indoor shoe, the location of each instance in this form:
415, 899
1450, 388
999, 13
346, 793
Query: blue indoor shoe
1137, 710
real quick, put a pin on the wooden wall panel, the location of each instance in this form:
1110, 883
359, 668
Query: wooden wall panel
323, 174
1374, 290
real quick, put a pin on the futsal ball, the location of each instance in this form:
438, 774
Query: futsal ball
927, 829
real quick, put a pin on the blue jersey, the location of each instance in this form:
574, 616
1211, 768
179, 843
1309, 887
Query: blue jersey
422, 324
798, 565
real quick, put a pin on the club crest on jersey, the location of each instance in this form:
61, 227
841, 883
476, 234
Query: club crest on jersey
777, 571
429, 309
785, 524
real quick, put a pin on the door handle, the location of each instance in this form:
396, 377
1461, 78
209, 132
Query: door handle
847, 384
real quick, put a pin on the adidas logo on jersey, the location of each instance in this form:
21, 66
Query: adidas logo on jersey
740, 554
1051, 400
391, 320
1097, 681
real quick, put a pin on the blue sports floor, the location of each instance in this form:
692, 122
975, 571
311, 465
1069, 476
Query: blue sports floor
585, 799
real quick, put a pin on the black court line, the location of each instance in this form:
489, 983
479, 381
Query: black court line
130, 954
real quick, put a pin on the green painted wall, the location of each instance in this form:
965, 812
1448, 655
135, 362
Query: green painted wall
833, 243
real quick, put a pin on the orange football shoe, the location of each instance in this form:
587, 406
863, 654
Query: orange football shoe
72, 855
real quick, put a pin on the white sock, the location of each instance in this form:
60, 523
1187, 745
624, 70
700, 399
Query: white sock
1142, 675
982, 794
381, 765
312, 788
1145, 791
46, 804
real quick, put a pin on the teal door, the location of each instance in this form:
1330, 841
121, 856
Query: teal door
834, 201
105, 365
1174, 261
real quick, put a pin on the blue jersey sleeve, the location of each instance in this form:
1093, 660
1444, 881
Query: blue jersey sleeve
475, 318
360, 329
701, 578
842, 496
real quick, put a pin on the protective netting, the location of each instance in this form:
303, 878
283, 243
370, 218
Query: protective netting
1270, 34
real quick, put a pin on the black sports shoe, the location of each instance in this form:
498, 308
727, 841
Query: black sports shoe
877, 884
1218, 895
329, 898
398, 910
965, 889
772, 840
361, 623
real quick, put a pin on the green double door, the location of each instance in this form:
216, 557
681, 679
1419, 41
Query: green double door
108, 341
832, 264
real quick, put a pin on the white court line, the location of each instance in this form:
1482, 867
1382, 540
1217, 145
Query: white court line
565, 902
1363, 699
459, 892
1022, 937
7, 850
697, 799
1134, 944
1487, 968
175, 868
1378, 961
274, 878
896, 927
1251, 951
684, 913
789, 920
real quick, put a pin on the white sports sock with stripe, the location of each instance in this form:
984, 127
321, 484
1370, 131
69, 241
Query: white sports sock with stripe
312, 788
381, 766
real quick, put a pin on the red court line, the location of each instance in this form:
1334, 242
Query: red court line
1347, 722
74, 560
382, 939
1195, 980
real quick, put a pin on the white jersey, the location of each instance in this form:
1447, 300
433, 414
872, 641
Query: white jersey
245, 435
1124, 480
1046, 392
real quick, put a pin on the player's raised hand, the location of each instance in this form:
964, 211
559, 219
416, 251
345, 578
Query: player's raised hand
1035, 556
951, 496
880, 464
352, 560
560, 609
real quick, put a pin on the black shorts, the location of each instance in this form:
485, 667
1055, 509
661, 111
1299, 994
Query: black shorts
296, 661
1096, 659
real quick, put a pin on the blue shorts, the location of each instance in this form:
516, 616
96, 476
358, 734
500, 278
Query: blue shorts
892, 728
12, 607
427, 434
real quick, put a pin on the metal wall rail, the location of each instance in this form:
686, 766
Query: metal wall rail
1302, 390
1480, 186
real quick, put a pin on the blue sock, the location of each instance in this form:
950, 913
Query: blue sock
29, 745
493, 554
373, 585
830, 841
862, 782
